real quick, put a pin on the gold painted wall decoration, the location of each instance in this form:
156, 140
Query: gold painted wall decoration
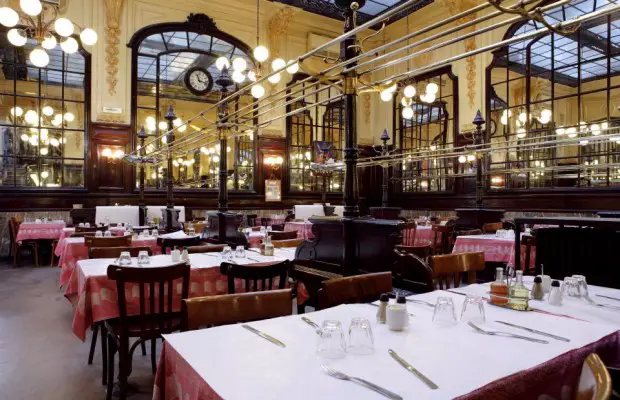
113, 9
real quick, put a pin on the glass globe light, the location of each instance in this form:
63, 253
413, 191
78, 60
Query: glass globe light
39, 57
386, 95
150, 120
44, 174
521, 133
31, 117
88, 37
63, 27
406, 101
119, 153
292, 67
595, 129
546, 114
57, 122
17, 37
462, 159
24, 137
523, 117
278, 64
407, 112
261, 53
69, 45
69, 117
274, 78
471, 157
504, 119
163, 126
31, 7
8, 17
44, 134
44, 151
182, 128
238, 76
17, 111
222, 63
604, 126
54, 142
432, 88
258, 91
34, 140
560, 131
177, 122
409, 91
164, 139
239, 64
49, 42
430, 97
252, 76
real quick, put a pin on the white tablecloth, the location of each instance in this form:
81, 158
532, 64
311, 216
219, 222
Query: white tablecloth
306, 211
117, 214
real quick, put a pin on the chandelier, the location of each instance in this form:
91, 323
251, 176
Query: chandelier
35, 19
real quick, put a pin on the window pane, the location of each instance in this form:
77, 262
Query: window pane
73, 144
73, 173
7, 140
73, 115
27, 172
6, 171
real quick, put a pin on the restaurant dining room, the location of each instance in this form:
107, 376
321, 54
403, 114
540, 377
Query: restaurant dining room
309, 199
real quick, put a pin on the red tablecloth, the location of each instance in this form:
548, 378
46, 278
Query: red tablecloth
35, 230
495, 249
256, 239
304, 229
421, 236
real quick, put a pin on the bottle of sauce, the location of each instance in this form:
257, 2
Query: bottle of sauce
268, 246
499, 289
519, 295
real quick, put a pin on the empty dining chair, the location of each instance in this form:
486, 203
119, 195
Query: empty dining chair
111, 241
115, 252
448, 268
256, 277
275, 235
206, 248
354, 289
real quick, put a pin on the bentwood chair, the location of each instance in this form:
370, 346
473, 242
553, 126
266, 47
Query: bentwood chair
424, 252
594, 381
441, 238
111, 241
156, 317
412, 273
251, 275
14, 224
312, 274
275, 235
171, 243
228, 309
447, 268
207, 248
354, 289
492, 227
115, 252
286, 243
278, 227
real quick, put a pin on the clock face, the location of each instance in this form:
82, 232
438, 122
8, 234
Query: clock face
198, 81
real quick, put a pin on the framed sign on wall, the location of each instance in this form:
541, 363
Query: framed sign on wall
273, 190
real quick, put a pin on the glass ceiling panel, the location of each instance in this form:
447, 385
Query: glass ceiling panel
72, 63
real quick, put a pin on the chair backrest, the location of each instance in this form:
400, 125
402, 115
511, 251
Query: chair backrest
287, 243
82, 234
111, 241
115, 252
226, 309
409, 233
275, 235
14, 224
251, 275
171, 243
492, 227
278, 227
208, 248
412, 273
421, 251
594, 381
449, 267
441, 238
256, 229
82, 229
198, 226
157, 288
354, 289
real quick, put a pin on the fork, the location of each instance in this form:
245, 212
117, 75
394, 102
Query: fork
342, 376
505, 334
426, 303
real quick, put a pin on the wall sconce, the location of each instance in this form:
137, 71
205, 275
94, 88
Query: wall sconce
112, 156
275, 162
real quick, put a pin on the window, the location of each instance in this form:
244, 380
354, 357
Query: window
163, 55
43, 118
551, 88
323, 123
432, 127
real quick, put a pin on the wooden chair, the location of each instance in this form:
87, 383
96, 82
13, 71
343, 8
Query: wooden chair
198, 226
170, 243
594, 381
278, 227
14, 224
82, 234
441, 238
449, 267
409, 233
157, 288
207, 248
227, 309
256, 229
287, 243
424, 252
83, 229
283, 235
312, 274
492, 227
115, 252
252, 274
529, 242
354, 289
111, 241
412, 273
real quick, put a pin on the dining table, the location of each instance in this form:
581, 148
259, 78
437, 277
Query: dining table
495, 248
39, 230
460, 361
94, 295
303, 229
422, 235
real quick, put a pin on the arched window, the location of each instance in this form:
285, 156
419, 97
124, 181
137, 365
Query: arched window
164, 56
433, 126
44, 114
304, 132
550, 88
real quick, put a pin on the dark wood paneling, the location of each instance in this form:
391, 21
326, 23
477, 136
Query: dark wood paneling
106, 174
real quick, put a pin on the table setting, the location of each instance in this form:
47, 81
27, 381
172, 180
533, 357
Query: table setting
40, 229
304, 229
497, 247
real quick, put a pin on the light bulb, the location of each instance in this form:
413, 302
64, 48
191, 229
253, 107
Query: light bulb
261, 53
239, 64
57, 122
252, 76
8, 17
182, 128
88, 37
24, 137
177, 122
44, 151
409, 91
17, 111
471, 157
69, 45
63, 27
216, 158
571, 132
34, 140
544, 119
44, 134
406, 102
31, 7
292, 67
69, 117
521, 133
504, 119
432, 88
54, 142
48, 110
45, 174
39, 57
595, 129
164, 139
31, 117
523, 117
238, 76
546, 114
604, 126
150, 120
175, 163
222, 63
258, 91
386, 95
163, 126
560, 131
274, 78
407, 112
430, 97
119, 153
462, 159
107, 152
17, 37
278, 64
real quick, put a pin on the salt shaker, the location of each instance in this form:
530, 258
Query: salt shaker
397, 316
185, 255
537, 290
176, 255
384, 300
555, 297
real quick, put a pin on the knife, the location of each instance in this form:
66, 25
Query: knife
608, 297
535, 331
414, 371
264, 335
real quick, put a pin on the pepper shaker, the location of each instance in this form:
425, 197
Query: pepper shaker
538, 291
382, 311
555, 297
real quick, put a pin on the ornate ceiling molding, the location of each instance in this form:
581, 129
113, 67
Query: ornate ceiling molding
277, 27
113, 10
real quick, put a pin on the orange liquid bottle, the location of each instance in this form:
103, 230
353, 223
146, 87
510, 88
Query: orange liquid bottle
499, 289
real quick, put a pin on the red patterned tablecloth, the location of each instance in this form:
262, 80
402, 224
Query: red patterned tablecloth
255, 239
421, 236
304, 229
495, 249
36, 230
73, 249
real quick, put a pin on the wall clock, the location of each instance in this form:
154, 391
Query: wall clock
198, 81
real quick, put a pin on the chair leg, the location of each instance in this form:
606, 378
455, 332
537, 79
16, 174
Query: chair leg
15, 253
104, 355
36, 255
110, 388
54, 244
153, 361
123, 368
143, 347
93, 343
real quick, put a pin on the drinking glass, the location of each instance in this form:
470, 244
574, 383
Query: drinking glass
125, 258
331, 340
107, 221
107, 234
81, 225
361, 340
86, 224
583, 286
240, 252
262, 230
154, 233
268, 229
570, 288
143, 258
98, 234
473, 309
227, 253
444, 312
